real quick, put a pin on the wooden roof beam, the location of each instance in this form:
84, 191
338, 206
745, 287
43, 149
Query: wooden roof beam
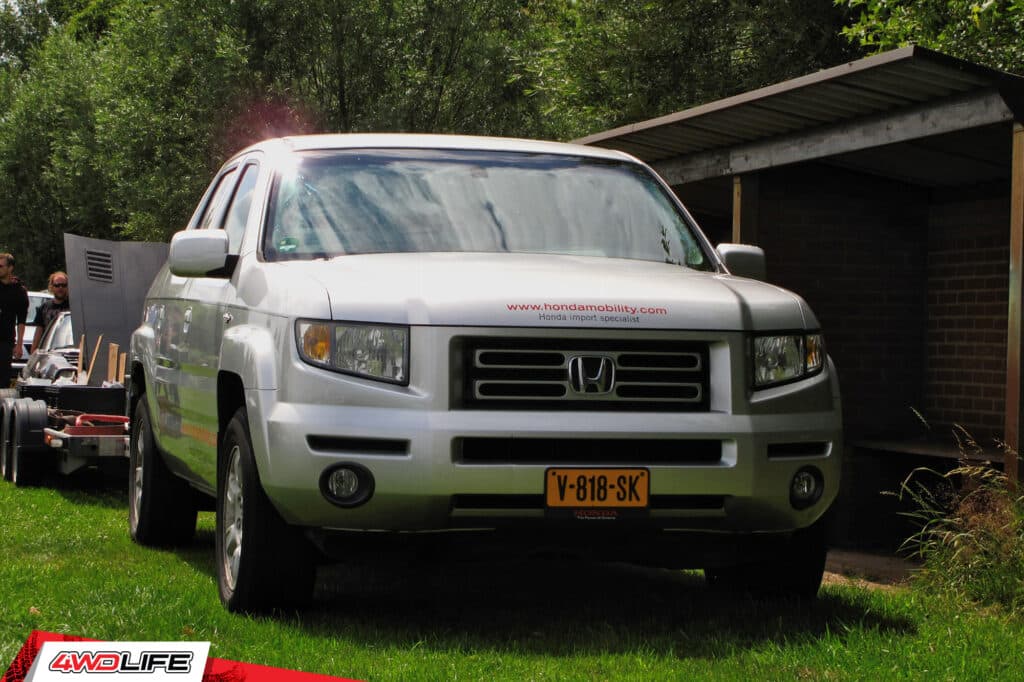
975, 109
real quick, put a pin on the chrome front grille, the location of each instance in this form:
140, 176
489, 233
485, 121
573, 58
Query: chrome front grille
515, 373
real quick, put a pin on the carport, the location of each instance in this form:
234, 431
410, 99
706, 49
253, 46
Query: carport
889, 192
881, 191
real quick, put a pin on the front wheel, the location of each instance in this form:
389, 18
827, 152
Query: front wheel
161, 506
262, 562
795, 569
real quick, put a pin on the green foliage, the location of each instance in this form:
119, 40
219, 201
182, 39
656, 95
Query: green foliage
989, 32
397, 65
604, 63
114, 113
24, 24
971, 535
169, 75
47, 184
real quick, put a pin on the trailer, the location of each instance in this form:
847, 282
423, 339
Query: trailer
61, 428
68, 422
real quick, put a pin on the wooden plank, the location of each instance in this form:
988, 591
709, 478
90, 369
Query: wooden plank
112, 354
745, 207
934, 118
81, 358
83, 377
122, 362
1014, 402
928, 448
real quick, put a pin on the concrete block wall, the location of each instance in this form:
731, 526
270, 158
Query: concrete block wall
968, 264
854, 247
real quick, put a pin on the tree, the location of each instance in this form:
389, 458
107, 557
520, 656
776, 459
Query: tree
170, 77
397, 65
989, 32
605, 63
47, 182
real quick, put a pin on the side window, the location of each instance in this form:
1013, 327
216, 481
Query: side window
215, 207
238, 211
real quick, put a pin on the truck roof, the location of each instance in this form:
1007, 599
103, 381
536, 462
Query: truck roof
425, 141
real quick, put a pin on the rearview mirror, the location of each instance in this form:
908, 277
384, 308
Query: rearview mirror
743, 260
198, 253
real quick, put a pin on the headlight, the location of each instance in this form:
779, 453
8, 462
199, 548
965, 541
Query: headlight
781, 359
374, 351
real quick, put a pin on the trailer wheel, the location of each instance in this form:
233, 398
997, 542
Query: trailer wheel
262, 562
6, 414
161, 506
28, 451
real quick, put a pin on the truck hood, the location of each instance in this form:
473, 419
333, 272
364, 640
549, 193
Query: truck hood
530, 290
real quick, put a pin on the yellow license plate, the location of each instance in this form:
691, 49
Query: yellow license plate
609, 488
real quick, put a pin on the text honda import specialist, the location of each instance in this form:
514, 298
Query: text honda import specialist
369, 342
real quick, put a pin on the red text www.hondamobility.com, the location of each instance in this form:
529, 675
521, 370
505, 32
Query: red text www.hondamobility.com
587, 308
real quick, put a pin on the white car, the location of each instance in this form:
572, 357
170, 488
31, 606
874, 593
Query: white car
377, 341
35, 299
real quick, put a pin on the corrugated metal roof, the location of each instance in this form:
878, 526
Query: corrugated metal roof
870, 87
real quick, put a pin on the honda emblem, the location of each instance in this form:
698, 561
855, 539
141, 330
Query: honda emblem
591, 374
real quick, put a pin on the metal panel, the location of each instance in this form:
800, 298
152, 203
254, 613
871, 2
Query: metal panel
109, 281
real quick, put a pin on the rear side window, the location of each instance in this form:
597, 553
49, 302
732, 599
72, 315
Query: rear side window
215, 206
238, 212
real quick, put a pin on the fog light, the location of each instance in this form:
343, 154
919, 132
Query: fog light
347, 484
343, 483
805, 488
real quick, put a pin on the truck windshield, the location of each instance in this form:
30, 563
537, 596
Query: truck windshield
328, 204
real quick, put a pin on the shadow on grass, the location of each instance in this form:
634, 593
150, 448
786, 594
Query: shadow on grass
102, 487
561, 607
556, 607
532, 606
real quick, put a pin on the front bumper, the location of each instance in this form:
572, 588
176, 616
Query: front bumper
421, 483
413, 441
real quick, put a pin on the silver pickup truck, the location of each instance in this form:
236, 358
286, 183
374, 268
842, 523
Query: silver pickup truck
370, 343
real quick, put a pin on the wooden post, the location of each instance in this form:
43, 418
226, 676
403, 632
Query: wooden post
1016, 295
112, 354
745, 191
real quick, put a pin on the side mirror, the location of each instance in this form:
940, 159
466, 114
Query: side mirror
743, 260
198, 253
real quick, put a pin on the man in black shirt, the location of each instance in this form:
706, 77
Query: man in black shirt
13, 311
51, 308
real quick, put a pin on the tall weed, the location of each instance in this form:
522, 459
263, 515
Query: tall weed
971, 529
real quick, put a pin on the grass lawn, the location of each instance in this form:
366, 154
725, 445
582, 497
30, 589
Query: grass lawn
69, 566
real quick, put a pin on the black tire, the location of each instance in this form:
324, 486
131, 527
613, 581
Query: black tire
6, 415
795, 570
161, 507
262, 562
28, 452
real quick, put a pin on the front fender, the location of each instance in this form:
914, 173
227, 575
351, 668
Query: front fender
251, 353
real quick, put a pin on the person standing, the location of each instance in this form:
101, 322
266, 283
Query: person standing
51, 308
13, 311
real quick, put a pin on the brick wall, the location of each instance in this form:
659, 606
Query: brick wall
854, 247
968, 262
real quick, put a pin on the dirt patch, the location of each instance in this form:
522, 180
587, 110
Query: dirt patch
867, 570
